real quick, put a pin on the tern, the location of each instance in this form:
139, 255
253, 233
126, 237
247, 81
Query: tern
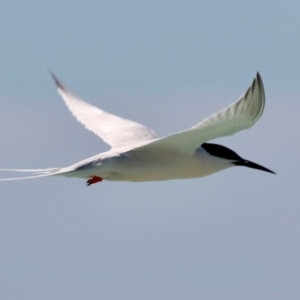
137, 154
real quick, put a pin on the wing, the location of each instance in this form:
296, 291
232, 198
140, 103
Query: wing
115, 131
240, 115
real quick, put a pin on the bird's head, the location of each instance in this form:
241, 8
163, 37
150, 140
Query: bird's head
231, 156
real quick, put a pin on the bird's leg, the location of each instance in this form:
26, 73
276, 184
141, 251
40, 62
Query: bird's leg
93, 179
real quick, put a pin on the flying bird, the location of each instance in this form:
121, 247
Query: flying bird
137, 154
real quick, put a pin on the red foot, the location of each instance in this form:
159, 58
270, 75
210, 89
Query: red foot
93, 180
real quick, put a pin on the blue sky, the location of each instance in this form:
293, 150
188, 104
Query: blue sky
167, 64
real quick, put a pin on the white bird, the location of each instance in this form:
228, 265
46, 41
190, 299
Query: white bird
138, 154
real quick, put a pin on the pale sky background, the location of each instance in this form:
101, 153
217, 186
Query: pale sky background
167, 64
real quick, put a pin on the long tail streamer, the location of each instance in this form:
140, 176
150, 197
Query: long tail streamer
35, 173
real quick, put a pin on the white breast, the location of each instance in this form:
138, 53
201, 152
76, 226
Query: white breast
144, 166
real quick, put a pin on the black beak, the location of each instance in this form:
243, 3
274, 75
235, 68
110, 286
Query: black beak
249, 164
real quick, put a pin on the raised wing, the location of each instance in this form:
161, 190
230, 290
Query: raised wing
239, 115
115, 131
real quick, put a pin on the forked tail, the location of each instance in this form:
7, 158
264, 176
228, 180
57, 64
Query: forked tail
34, 173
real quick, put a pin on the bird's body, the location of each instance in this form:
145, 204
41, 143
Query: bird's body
138, 166
138, 154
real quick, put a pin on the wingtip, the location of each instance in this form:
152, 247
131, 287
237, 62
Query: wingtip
258, 77
260, 82
56, 80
